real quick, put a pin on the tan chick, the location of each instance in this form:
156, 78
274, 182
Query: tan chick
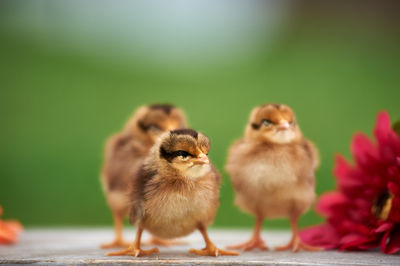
124, 154
176, 192
272, 171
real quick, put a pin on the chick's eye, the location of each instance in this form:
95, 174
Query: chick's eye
267, 122
154, 128
183, 154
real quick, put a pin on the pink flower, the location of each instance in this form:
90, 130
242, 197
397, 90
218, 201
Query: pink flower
364, 211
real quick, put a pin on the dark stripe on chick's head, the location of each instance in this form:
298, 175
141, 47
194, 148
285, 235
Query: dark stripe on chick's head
180, 142
165, 107
169, 156
185, 131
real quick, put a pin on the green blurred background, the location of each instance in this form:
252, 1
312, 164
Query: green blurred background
72, 72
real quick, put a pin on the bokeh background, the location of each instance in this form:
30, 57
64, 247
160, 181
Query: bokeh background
72, 72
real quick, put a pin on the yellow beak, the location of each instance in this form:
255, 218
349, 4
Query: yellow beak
202, 159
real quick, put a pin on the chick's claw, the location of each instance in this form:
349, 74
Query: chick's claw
213, 251
132, 251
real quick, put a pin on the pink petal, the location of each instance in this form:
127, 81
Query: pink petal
363, 150
388, 140
358, 242
320, 235
348, 226
342, 168
394, 242
384, 241
383, 228
345, 174
394, 188
329, 201
394, 214
382, 127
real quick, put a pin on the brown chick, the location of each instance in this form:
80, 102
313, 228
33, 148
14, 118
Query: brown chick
125, 153
272, 171
176, 192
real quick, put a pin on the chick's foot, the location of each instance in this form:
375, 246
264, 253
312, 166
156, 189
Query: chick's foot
296, 245
250, 245
117, 243
133, 251
212, 250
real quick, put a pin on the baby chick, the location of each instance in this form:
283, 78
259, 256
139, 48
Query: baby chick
176, 192
272, 171
126, 151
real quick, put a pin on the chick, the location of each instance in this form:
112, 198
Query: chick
176, 192
126, 151
272, 171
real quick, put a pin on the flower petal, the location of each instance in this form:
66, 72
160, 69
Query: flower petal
388, 140
358, 242
384, 241
9, 230
6, 236
320, 235
14, 226
394, 242
345, 174
383, 126
383, 228
394, 214
329, 202
363, 150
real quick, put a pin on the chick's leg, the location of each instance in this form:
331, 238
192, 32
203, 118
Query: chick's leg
295, 244
134, 249
211, 249
255, 241
118, 226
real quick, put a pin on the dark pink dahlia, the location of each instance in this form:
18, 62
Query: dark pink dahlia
364, 211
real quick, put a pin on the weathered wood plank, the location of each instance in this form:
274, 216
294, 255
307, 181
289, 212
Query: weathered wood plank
80, 246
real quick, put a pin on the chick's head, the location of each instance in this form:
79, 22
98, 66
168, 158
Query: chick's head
186, 150
273, 123
159, 118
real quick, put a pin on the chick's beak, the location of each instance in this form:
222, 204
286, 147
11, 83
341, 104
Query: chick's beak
202, 159
283, 125
171, 127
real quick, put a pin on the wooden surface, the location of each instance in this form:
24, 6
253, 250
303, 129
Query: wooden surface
80, 246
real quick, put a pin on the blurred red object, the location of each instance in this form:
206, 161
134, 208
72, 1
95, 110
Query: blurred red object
364, 211
9, 230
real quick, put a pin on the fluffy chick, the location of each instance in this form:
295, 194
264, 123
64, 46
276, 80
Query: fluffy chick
125, 152
176, 192
272, 171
